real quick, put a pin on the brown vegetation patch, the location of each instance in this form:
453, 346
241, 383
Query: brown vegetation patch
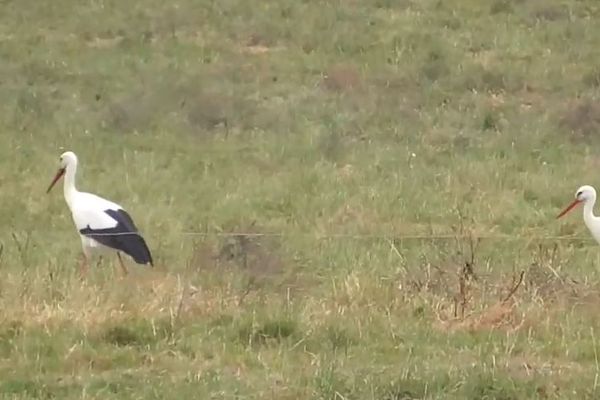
501, 6
346, 172
478, 78
131, 113
582, 117
530, 98
257, 49
255, 254
545, 284
501, 315
592, 77
341, 77
86, 305
251, 256
526, 365
549, 12
207, 110
365, 219
104, 42
257, 44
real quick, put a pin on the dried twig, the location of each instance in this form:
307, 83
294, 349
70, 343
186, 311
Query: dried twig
515, 287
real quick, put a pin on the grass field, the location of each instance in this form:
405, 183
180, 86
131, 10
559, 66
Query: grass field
342, 130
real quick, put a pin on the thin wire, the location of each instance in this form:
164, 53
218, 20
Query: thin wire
365, 236
389, 236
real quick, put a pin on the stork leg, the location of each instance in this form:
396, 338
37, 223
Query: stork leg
121, 263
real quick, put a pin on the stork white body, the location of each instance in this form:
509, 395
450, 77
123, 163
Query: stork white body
587, 195
87, 209
102, 225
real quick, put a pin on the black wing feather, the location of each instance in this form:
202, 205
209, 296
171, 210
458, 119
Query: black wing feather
123, 237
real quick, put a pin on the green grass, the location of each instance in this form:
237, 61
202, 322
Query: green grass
339, 125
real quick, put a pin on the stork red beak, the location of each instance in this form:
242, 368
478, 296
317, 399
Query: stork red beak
569, 208
59, 174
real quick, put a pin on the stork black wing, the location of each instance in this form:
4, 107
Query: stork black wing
123, 237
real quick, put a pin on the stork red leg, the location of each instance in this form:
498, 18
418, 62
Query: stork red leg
122, 265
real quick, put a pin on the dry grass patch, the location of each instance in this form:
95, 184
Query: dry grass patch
247, 263
134, 112
88, 305
352, 214
582, 118
342, 78
206, 111
499, 315
257, 44
541, 10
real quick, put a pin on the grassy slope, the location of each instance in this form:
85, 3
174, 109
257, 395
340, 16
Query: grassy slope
307, 118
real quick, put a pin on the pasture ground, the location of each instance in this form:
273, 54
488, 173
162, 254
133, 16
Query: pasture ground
343, 126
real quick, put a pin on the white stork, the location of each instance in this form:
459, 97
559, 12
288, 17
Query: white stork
587, 195
102, 224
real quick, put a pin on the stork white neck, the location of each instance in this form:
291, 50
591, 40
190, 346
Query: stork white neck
69, 185
591, 221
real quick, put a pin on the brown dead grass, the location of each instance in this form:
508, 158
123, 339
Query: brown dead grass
248, 260
352, 214
468, 296
502, 315
582, 118
541, 10
346, 172
104, 42
342, 78
87, 306
131, 113
258, 49
257, 44
207, 110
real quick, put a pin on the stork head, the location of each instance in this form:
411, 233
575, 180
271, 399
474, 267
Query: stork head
584, 194
68, 159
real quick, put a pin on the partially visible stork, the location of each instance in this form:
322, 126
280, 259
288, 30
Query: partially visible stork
587, 195
102, 224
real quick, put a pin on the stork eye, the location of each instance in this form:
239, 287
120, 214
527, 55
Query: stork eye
579, 194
